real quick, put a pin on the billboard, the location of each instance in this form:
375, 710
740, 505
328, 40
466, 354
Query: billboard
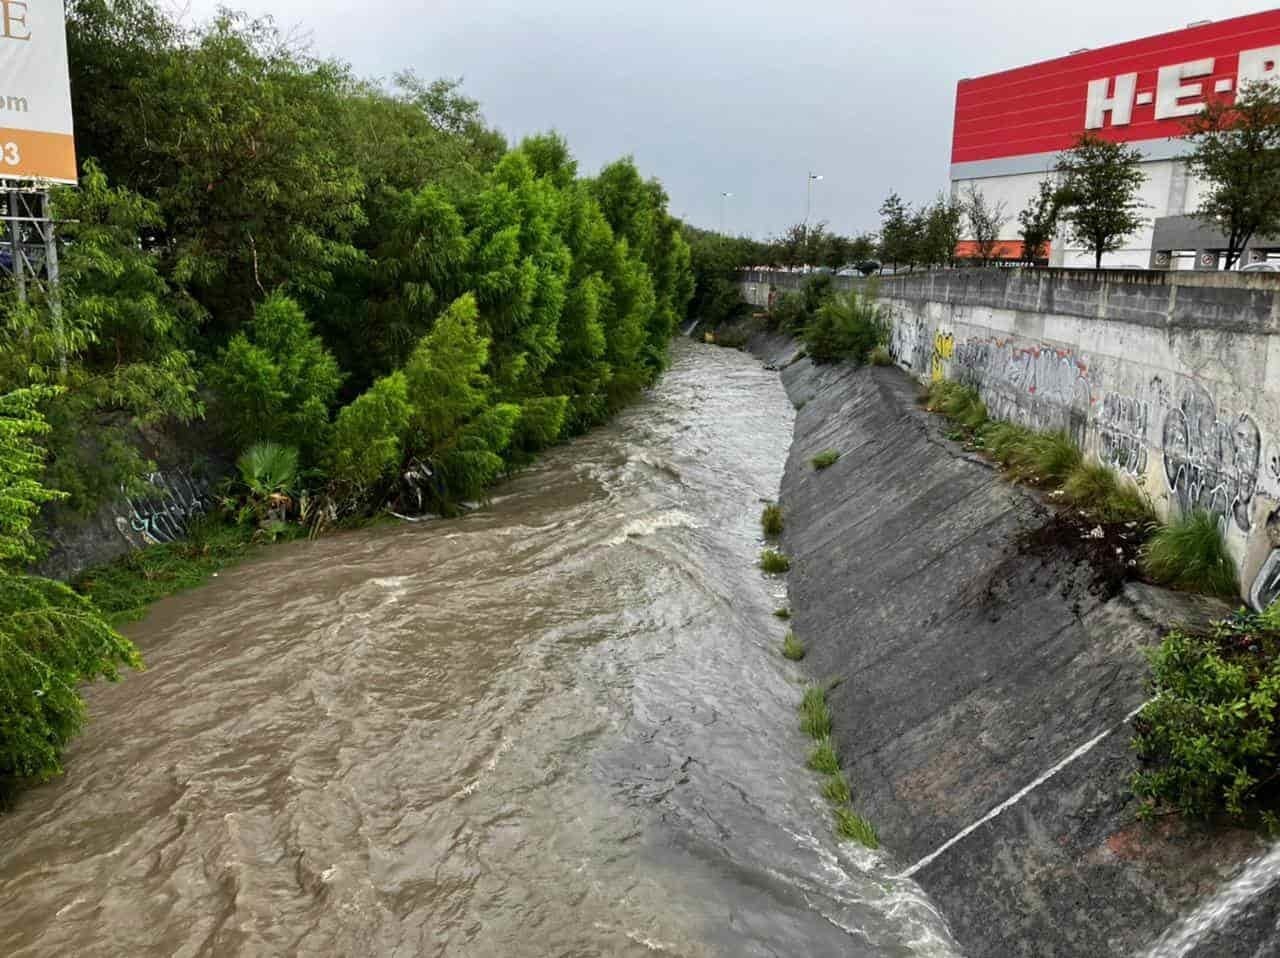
1136, 92
36, 140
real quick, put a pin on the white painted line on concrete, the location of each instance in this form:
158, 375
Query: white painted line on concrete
1018, 796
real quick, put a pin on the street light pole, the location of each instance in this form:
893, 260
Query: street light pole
723, 196
808, 196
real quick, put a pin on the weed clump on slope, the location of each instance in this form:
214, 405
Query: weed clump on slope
774, 562
771, 520
815, 720
1097, 489
825, 459
1190, 554
961, 404
792, 648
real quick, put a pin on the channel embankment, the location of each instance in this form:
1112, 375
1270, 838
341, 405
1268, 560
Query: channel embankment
986, 675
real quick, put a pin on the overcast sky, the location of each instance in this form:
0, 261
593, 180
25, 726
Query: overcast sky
712, 96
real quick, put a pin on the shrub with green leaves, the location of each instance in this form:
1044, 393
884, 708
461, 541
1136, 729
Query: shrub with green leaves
51, 639
276, 381
789, 313
845, 327
1210, 737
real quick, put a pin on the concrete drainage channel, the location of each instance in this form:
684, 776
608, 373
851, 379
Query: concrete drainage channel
985, 691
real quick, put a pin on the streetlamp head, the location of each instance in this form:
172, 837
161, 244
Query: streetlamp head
815, 176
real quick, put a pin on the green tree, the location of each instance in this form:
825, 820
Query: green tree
986, 220
114, 341
1038, 221
1101, 181
51, 639
942, 231
276, 381
900, 237
1236, 151
367, 443
445, 376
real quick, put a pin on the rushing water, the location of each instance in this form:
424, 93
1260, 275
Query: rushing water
557, 726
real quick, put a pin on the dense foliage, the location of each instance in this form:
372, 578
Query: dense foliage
355, 291
51, 639
1209, 737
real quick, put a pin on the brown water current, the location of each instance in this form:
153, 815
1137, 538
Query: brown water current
557, 726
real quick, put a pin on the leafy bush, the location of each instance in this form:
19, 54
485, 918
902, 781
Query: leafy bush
1190, 554
475, 460
51, 640
771, 520
276, 381
773, 562
825, 459
269, 477
1210, 736
845, 327
789, 313
816, 291
1099, 491
542, 422
792, 648
21, 463
367, 442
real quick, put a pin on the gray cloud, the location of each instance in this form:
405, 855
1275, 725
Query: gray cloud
713, 96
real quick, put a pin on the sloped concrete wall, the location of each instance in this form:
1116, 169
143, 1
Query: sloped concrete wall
1172, 379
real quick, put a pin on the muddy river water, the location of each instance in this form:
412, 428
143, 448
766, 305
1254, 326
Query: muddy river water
557, 726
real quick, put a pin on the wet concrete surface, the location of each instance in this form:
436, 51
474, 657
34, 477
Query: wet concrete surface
970, 668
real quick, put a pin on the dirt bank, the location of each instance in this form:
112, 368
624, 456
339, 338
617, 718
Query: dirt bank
984, 665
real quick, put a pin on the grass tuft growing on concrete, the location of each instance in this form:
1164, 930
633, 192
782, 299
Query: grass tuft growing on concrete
815, 717
771, 520
823, 758
960, 404
792, 648
815, 721
836, 789
1047, 458
825, 459
1190, 554
880, 357
1101, 492
783, 614
852, 826
774, 562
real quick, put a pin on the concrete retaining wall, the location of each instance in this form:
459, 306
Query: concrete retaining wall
1173, 379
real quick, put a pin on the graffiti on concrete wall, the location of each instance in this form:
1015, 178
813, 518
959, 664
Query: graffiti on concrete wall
908, 343
1212, 459
1037, 386
1266, 586
1122, 433
944, 349
164, 510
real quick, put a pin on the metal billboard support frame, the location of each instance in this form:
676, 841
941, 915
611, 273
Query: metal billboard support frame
31, 246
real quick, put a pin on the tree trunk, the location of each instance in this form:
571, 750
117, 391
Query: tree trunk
1097, 259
